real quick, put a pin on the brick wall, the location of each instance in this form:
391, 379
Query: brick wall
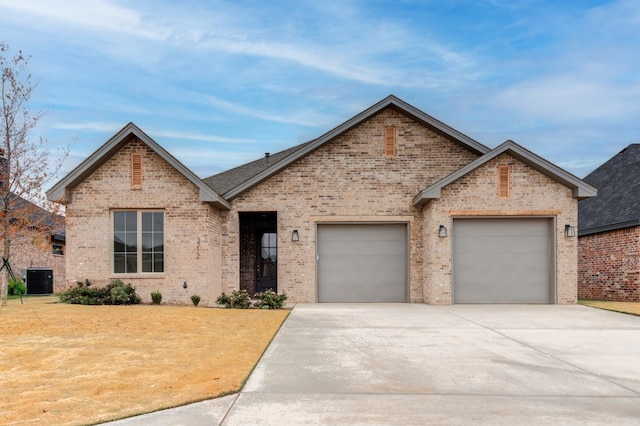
32, 249
192, 229
348, 179
531, 194
608, 266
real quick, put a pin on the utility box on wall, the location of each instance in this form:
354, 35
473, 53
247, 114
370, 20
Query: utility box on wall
38, 280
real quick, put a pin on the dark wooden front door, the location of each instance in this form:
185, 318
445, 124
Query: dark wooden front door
266, 260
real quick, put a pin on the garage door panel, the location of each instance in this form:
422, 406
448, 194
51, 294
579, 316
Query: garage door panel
362, 263
502, 260
364, 248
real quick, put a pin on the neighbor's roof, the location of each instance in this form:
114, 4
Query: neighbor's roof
618, 202
248, 176
579, 188
59, 192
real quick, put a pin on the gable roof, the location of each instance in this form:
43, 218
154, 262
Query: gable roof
229, 179
59, 192
300, 151
618, 202
580, 188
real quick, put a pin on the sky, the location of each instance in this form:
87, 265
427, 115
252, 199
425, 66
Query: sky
219, 83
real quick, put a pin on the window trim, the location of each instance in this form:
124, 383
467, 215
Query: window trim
54, 252
139, 232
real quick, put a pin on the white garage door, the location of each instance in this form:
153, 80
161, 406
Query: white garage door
505, 260
362, 263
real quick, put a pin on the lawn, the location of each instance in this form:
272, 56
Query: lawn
625, 307
72, 364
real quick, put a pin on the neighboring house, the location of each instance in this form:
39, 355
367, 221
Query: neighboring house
37, 247
609, 231
390, 206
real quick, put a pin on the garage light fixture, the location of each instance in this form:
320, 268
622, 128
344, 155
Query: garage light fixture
442, 231
295, 236
569, 231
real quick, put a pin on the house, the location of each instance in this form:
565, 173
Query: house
37, 246
609, 231
390, 206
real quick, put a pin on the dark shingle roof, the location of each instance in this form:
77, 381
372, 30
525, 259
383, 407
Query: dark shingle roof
227, 180
618, 202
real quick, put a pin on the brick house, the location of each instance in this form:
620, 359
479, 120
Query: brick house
609, 231
37, 246
390, 206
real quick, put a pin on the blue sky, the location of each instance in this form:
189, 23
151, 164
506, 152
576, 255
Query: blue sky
219, 83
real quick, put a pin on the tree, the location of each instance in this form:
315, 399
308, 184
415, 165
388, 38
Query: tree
25, 165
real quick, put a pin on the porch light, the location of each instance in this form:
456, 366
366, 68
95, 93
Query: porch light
442, 231
569, 231
184, 285
295, 236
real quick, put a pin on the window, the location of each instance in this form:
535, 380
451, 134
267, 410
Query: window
138, 243
136, 170
503, 181
390, 141
58, 250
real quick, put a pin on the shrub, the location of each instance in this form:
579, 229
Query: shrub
195, 299
17, 287
116, 293
238, 299
270, 300
156, 297
119, 293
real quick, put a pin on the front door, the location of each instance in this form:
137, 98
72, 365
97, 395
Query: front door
266, 260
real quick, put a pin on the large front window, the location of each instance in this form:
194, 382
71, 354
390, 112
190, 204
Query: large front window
138, 243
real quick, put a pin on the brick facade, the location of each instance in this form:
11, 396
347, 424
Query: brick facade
348, 179
609, 265
192, 228
33, 250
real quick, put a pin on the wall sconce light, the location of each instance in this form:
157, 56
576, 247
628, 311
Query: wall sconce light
295, 236
569, 231
442, 231
184, 285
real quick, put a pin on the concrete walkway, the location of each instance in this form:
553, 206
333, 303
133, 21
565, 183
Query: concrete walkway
414, 364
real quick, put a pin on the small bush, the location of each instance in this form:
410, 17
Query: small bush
270, 300
238, 299
195, 299
17, 287
116, 293
156, 297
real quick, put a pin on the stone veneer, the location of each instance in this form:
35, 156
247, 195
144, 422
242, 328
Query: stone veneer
609, 266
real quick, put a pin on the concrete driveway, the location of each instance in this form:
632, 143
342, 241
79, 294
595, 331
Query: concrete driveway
414, 364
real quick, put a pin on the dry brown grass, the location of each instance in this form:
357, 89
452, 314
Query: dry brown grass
625, 307
71, 364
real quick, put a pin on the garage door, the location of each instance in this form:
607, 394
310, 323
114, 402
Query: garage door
362, 263
502, 261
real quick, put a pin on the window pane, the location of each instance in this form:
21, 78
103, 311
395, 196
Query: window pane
132, 263
118, 221
147, 241
131, 221
131, 242
158, 222
147, 262
147, 222
118, 264
158, 241
118, 242
158, 262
